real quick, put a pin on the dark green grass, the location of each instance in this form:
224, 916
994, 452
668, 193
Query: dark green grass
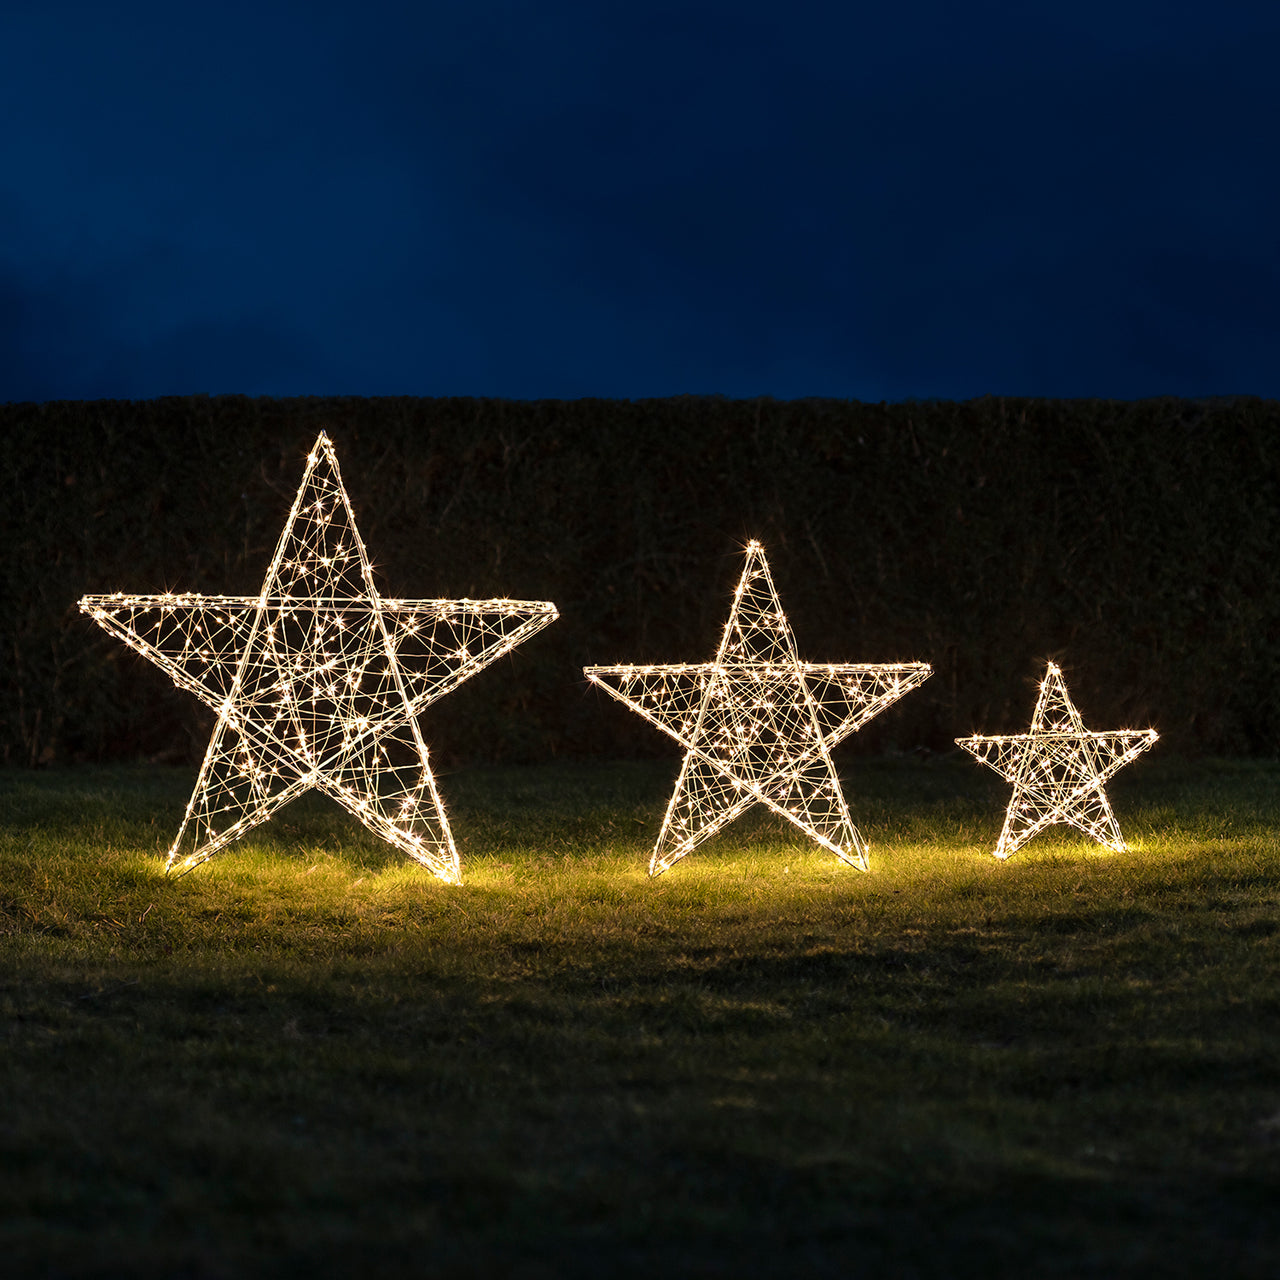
309, 1058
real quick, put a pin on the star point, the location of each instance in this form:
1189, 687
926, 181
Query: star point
1058, 769
317, 680
758, 724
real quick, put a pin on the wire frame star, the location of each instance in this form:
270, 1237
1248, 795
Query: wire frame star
1058, 769
758, 725
318, 681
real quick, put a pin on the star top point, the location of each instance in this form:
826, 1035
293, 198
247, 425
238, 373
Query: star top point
758, 724
317, 680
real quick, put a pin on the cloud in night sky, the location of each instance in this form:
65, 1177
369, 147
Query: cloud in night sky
566, 199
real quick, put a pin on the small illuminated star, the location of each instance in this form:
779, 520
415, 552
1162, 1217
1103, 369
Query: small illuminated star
758, 724
1057, 769
318, 680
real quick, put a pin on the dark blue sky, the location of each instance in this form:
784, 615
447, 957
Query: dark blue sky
938, 198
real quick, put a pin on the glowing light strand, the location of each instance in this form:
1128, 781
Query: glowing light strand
1058, 769
318, 680
758, 724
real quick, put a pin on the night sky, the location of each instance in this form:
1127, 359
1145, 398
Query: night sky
551, 199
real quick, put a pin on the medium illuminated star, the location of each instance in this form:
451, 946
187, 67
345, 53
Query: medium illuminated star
1057, 769
318, 680
758, 724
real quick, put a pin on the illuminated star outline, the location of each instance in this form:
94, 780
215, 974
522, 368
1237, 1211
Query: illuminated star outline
318, 681
1058, 769
758, 725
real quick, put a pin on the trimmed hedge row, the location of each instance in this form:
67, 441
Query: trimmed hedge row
1134, 542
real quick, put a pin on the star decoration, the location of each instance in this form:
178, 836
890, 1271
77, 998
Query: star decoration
318, 680
1058, 768
758, 725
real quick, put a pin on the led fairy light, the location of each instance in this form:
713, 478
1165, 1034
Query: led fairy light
318, 680
1057, 769
758, 725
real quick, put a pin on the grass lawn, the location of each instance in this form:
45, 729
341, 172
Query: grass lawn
309, 1058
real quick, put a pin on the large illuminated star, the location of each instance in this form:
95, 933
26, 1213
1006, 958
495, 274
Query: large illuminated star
1057, 769
758, 724
318, 680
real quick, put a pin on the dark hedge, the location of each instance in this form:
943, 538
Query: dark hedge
1134, 542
